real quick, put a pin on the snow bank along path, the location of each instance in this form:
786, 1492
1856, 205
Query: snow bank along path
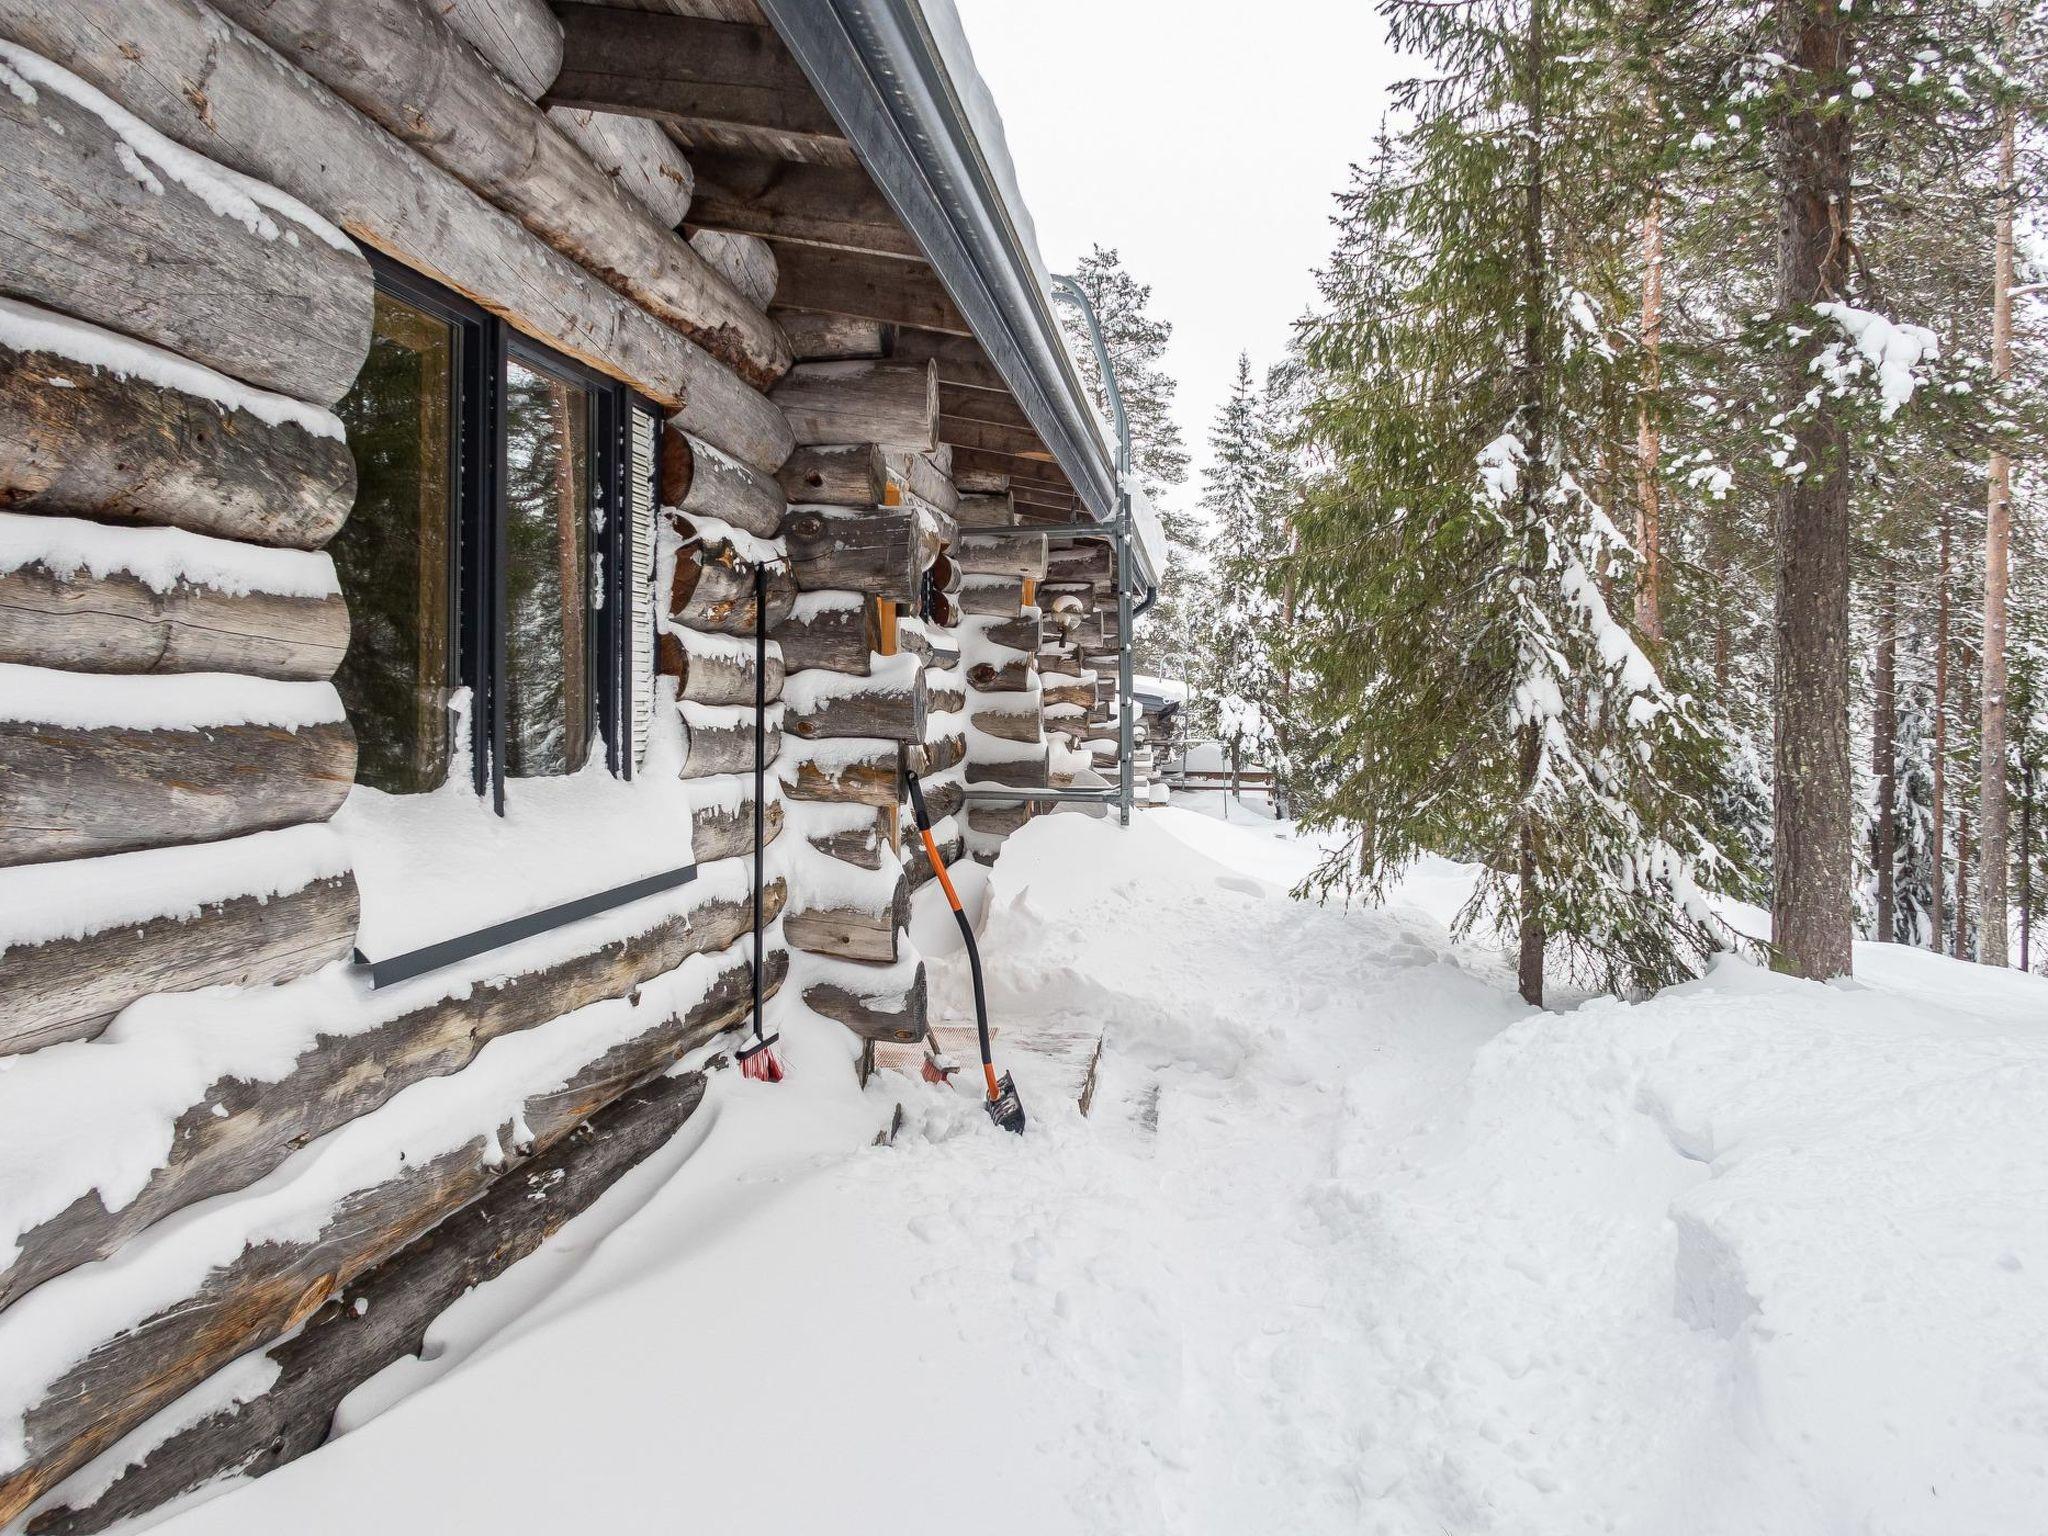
1352, 1242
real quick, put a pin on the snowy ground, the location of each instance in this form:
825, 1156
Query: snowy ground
1352, 1241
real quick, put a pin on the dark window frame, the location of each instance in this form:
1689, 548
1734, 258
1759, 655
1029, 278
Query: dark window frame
478, 601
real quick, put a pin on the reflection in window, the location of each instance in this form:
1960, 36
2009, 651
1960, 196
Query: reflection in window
393, 552
547, 626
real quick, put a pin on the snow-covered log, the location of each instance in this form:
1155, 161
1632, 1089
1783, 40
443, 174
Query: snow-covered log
944, 751
1002, 555
400, 66
889, 703
1003, 676
878, 1005
719, 739
726, 830
93, 430
917, 864
705, 482
834, 630
713, 587
93, 764
1019, 632
999, 820
881, 551
831, 924
893, 404
269, 1288
1011, 772
240, 1126
1076, 691
261, 116
858, 772
994, 596
382, 1317
1009, 724
108, 221
715, 669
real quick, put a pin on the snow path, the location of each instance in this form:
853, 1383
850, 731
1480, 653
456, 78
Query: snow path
1352, 1242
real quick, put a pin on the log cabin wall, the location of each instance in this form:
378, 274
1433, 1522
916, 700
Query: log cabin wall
183, 300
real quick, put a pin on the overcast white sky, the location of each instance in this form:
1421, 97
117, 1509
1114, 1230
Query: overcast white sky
1201, 138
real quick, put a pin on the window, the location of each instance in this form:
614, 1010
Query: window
501, 541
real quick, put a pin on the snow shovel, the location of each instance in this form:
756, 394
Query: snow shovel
758, 1060
1002, 1104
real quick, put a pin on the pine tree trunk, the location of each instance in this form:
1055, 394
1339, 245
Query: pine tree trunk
1717, 554
1812, 796
2026, 863
1649, 440
1961, 924
1937, 853
1884, 756
1534, 485
1997, 538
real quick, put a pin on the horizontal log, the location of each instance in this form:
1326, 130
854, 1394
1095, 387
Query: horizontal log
117, 623
924, 478
837, 637
883, 712
947, 796
944, 694
707, 674
727, 832
645, 162
67, 792
984, 510
787, 200
258, 116
1084, 560
1020, 633
993, 596
1002, 555
1003, 676
336, 1079
884, 1013
991, 479
521, 38
943, 752
1017, 442
124, 450
836, 475
698, 478
1015, 773
879, 551
383, 1316
885, 288
864, 778
696, 75
713, 588
1009, 471
894, 404
272, 1287
396, 63
863, 844
917, 864
1008, 724
961, 360
1073, 692
741, 260
96, 229
719, 739
71, 988
819, 338
972, 404
849, 933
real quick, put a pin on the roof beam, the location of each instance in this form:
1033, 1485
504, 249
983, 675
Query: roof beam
871, 287
789, 201
698, 77
960, 358
1016, 442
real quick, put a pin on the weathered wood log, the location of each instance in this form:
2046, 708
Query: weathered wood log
727, 832
698, 478
917, 864
521, 38
836, 475
712, 674
696, 75
397, 64
1002, 555
828, 630
1086, 561
645, 162
945, 652
741, 260
1063, 662
999, 820
383, 1316
1016, 773
993, 596
719, 739
894, 404
886, 288
961, 359
69, 791
781, 199
883, 1013
924, 478
886, 711
95, 229
985, 510
116, 623
944, 695
880, 551
860, 777
1009, 724
123, 450
948, 796
1073, 692
1010, 472
258, 115
851, 933
713, 589
1017, 634
821, 338
71, 988
988, 477
943, 752
862, 844
1003, 676
272, 1287
337, 1079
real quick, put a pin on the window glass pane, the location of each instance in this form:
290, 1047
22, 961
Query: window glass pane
393, 552
547, 516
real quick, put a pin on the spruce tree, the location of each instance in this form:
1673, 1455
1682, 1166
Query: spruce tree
1238, 497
